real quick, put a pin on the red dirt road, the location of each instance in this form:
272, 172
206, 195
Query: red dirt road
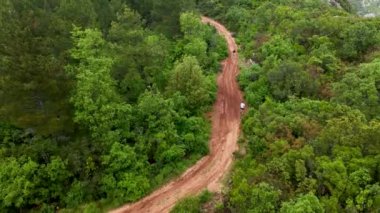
210, 170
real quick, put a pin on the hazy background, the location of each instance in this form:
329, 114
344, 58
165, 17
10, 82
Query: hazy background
367, 7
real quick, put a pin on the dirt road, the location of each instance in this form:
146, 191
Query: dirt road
210, 170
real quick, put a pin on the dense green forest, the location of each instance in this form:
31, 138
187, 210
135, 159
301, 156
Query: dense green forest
311, 138
100, 101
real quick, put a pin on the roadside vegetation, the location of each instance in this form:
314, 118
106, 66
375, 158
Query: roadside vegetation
193, 204
311, 77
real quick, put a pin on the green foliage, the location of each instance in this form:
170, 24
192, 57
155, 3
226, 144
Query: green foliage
358, 38
33, 84
192, 204
155, 128
97, 105
26, 183
140, 56
323, 54
165, 15
255, 85
289, 79
319, 155
307, 203
124, 177
76, 195
80, 13
91, 115
188, 79
18, 182
360, 89
280, 49
260, 198
202, 42
213, 8
306, 147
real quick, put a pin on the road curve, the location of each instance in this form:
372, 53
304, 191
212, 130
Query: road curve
210, 170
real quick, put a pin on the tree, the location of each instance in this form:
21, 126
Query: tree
342, 131
201, 41
81, 13
260, 198
188, 79
289, 79
360, 89
54, 179
33, 84
333, 175
76, 194
140, 55
280, 48
97, 105
255, 85
165, 15
127, 28
239, 16
154, 127
357, 38
323, 54
18, 181
125, 175
191, 26
304, 204
300, 170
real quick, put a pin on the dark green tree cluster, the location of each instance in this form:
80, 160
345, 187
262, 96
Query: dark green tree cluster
311, 79
99, 104
313, 156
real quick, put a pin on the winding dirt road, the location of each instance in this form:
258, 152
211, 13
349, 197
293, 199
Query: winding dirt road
210, 170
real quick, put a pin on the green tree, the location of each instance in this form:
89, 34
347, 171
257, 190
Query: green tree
201, 41
97, 105
33, 84
360, 89
191, 26
19, 180
280, 48
54, 179
125, 175
357, 38
155, 129
188, 79
259, 198
81, 13
140, 56
76, 195
323, 54
289, 79
165, 15
333, 175
306, 204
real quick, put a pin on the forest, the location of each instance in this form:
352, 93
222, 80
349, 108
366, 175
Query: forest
101, 101
311, 138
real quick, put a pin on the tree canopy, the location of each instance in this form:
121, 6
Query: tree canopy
100, 101
309, 74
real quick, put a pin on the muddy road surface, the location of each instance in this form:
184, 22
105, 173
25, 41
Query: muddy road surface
208, 172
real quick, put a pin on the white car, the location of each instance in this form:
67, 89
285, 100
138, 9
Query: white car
242, 105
